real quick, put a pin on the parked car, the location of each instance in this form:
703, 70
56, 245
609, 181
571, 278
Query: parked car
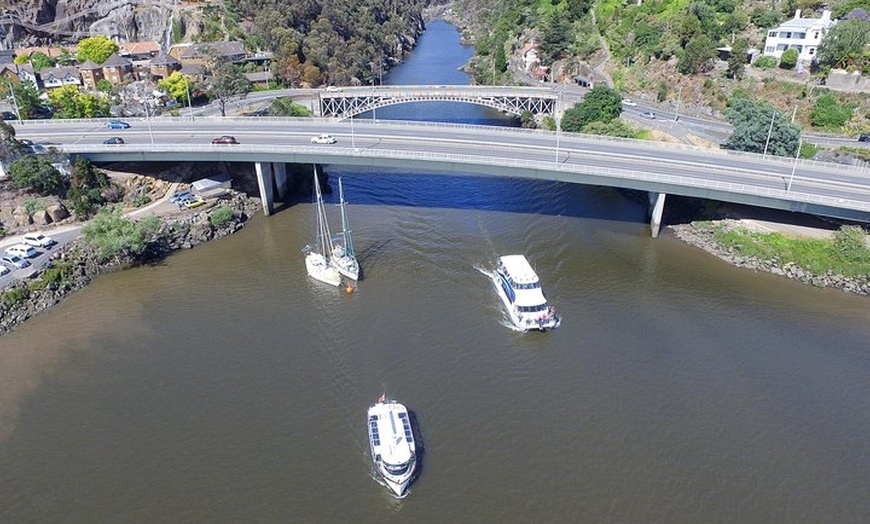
38, 240
4, 270
333, 89
192, 202
9, 115
117, 124
323, 139
226, 139
22, 250
649, 115
864, 138
628, 102
114, 140
179, 196
14, 262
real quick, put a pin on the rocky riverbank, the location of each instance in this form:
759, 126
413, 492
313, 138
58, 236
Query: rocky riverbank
703, 237
80, 264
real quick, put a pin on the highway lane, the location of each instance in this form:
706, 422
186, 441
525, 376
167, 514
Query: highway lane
576, 153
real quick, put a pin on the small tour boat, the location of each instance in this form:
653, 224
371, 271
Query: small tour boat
394, 453
520, 290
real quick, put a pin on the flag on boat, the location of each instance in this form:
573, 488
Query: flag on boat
383, 398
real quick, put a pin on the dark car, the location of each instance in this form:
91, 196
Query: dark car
114, 140
9, 115
864, 138
226, 139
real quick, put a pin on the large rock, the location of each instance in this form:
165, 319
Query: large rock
57, 212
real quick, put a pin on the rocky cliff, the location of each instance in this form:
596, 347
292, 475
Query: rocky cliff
40, 22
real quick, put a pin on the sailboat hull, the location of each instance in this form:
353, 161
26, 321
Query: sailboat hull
319, 268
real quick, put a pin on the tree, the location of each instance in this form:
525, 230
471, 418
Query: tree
27, 98
177, 85
87, 184
115, 236
96, 48
601, 104
10, 148
227, 81
68, 102
555, 38
752, 121
737, 59
788, 59
844, 45
40, 61
850, 243
37, 173
829, 114
697, 56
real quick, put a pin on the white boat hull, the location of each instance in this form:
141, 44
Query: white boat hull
520, 290
346, 264
319, 268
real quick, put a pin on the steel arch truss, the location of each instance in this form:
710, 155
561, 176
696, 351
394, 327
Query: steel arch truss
347, 105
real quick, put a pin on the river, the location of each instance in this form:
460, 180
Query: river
223, 385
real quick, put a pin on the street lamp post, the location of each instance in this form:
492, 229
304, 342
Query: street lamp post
189, 105
769, 131
14, 101
794, 166
148, 119
558, 128
679, 100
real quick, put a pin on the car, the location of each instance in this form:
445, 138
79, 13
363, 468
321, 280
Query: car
323, 139
333, 89
864, 138
649, 115
38, 240
22, 250
117, 124
4, 270
114, 140
226, 139
179, 196
628, 102
192, 202
14, 262
9, 115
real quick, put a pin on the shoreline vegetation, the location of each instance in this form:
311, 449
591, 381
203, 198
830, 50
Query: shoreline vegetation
840, 262
118, 243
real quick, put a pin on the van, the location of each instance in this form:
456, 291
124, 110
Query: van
22, 250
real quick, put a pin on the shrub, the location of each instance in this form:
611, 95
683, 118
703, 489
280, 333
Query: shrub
765, 62
662, 93
220, 216
789, 59
114, 235
850, 244
141, 200
827, 113
15, 295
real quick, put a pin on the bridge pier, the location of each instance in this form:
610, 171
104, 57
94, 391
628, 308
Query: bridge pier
266, 182
657, 207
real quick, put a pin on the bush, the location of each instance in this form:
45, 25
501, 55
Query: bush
662, 93
141, 200
220, 216
850, 244
789, 59
827, 113
765, 62
15, 295
114, 235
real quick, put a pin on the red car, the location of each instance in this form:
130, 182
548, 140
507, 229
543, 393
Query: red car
226, 139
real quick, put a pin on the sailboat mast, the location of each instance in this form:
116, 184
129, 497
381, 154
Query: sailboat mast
345, 223
322, 224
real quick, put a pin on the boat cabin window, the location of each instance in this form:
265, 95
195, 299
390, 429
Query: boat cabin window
532, 309
396, 469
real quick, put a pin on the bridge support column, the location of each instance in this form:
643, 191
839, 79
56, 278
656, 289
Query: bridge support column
279, 170
657, 207
266, 181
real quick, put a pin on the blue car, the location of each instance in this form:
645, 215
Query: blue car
117, 124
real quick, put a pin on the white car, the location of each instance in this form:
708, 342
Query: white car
38, 240
323, 139
333, 89
22, 250
628, 102
4, 270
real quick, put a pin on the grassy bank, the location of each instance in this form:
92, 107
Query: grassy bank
846, 253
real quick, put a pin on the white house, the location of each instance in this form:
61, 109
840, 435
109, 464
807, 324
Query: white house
803, 34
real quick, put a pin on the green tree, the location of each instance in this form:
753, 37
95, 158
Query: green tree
68, 102
226, 81
829, 114
765, 62
40, 61
850, 244
10, 148
737, 59
21, 59
845, 45
177, 85
788, 59
752, 121
96, 48
615, 127
555, 38
527, 120
27, 97
601, 104
285, 106
37, 173
697, 56
115, 236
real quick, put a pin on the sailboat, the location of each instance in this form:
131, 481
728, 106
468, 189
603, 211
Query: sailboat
343, 256
317, 257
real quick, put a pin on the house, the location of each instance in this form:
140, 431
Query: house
138, 51
117, 69
163, 65
91, 74
260, 78
27, 74
53, 77
529, 56
204, 52
9, 73
803, 34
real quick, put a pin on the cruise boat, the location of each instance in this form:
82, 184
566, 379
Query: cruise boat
394, 453
519, 288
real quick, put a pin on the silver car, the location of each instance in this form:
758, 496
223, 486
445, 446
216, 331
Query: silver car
14, 262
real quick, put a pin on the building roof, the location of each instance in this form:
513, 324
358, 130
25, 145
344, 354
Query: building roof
90, 65
164, 59
805, 23
192, 70
117, 61
219, 48
59, 72
259, 76
140, 48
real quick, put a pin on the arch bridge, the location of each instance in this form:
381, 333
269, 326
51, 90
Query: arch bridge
351, 101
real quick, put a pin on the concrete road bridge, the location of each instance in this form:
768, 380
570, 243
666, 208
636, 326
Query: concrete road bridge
351, 101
